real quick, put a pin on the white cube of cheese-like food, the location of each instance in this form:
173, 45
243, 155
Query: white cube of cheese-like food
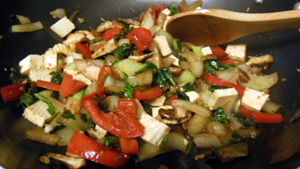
105, 49
31, 62
159, 101
82, 78
253, 99
236, 52
162, 44
206, 51
50, 60
176, 60
219, 97
163, 16
193, 96
98, 132
37, 113
154, 130
35, 74
63, 27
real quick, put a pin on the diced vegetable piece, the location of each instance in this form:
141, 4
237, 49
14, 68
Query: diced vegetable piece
130, 67
109, 34
63, 27
270, 107
42, 137
70, 86
231, 152
261, 117
206, 140
196, 124
141, 37
84, 49
48, 85
176, 141
35, 26
187, 105
187, 77
12, 92
141, 79
217, 50
151, 93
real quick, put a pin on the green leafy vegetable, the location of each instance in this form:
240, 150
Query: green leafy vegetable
197, 51
47, 101
128, 90
213, 87
208, 69
180, 59
236, 137
148, 108
218, 66
124, 24
122, 51
61, 56
177, 46
108, 141
220, 116
103, 106
163, 144
123, 33
84, 117
164, 76
246, 121
189, 146
16, 76
91, 124
181, 90
27, 99
56, 77
95, 40
68, 115
173, 10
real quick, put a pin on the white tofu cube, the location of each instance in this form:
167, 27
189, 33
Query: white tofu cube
193, 96
71, 69
206, 51
254, 100
159, 101
31, 62
176, 60
236, 52
98, 132
37, 113
50, 60
35, 74
63, 27
82, 78
219, 97
162, 44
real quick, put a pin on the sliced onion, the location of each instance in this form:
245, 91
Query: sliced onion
176, 141
260, 83
196, 124
23, 19
249, 133
206, 140
35, 26
196, 64
91, 88
216, 128
230, 76
187, 105
271, 107
297, 114
229, 107
226, 140
192, 6
72, 17
141, 79
42, 137
59, 13
111, 101
169, 37
148, 21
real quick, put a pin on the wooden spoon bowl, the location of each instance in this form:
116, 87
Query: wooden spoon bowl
211, 27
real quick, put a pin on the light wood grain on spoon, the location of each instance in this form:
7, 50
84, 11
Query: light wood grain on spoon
215, 26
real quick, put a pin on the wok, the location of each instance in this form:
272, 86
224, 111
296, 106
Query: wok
16, 151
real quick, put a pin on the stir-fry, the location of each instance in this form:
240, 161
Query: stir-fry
128, 89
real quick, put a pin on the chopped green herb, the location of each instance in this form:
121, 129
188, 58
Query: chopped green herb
213, 87
101, 104
16, 76
128, 90
180, 59
68, 115
181, 90
95, 40
164, 76
208, 69
47, 101
108, 141
83, 117
246, 121
122, 51
27, 99
123, 33
56, 77
148, 108
91, 124
189, 146
220, 116
173, 10
218, 66
177, 46
163, 144
236, 137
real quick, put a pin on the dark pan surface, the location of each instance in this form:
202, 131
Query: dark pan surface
18, 152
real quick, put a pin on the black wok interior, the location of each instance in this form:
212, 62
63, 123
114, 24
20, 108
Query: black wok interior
16, 151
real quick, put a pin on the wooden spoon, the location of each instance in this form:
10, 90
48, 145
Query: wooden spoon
211, 27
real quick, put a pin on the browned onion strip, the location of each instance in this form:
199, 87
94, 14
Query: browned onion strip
72, 17
42, 137
231, 152
23, 19
243, 77
28, 27
297, 114
210, 57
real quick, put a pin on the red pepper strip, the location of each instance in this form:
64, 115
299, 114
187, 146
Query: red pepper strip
141, 37
227, 62
109, 34
180, 8
69, 86
87, 148
128, 145
84, 49
219, 82
162, 7
155, 12
48, 85
12, 92
217, 50
261, 117
171, 99
121, 124
105, 70
151, 93
99, 92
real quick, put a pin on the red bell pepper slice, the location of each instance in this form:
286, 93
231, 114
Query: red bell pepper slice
227, 62
109, 34
48, 85
151, 93
261, 117
155, 12
217, 50
180, 8
84, 49
12, 92
69, 86
99, 92
87, 148
105, 70
128, 145
171, 99
219, 82
162, 7
120, 123
141, 37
